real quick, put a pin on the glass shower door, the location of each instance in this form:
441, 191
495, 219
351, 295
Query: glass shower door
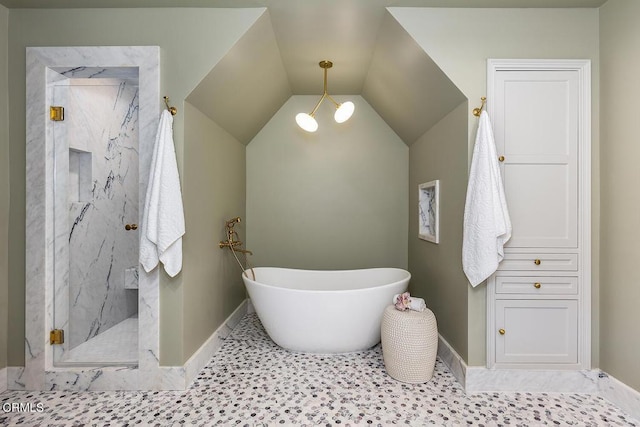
96, 218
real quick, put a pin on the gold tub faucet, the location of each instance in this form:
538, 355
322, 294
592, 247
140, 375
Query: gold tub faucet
233, 243
232, 237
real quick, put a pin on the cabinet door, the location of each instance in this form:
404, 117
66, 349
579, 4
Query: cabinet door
536, 130
536, 331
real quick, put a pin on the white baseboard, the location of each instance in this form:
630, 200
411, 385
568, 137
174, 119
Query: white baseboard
3, 379
452, 359
522, 380
619, 394
203, 355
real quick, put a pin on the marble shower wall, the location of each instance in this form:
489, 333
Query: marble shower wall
96, 196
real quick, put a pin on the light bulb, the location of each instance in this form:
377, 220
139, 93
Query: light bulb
344, 112
307, 122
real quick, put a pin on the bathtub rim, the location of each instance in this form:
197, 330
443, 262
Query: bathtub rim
246, 276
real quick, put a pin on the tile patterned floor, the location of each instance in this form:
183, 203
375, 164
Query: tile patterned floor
251, 381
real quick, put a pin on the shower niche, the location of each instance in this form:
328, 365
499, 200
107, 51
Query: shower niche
80, 177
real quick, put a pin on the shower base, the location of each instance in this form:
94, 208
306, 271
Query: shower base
116, 346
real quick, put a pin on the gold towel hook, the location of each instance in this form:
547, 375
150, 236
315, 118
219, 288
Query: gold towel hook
477, 111
172, 110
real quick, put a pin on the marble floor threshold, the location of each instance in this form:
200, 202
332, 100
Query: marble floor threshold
252, 382
117, 345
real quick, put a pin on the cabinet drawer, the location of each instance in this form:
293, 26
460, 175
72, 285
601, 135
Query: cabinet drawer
536, 331
542, 262
536, 285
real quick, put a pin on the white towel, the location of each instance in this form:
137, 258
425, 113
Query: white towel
163, 216
487, 226
417, 304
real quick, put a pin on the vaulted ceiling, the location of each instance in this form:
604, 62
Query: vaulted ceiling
372, 55
397, 78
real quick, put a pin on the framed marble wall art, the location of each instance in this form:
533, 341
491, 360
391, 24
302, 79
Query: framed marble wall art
429, 211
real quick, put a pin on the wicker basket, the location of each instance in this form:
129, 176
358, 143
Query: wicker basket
409, 344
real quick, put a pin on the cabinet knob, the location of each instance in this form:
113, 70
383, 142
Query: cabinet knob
501, 158
537, 285
536, 261
501, 331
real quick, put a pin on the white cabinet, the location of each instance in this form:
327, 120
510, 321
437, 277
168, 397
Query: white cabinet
536, 131
538, 302
537, 331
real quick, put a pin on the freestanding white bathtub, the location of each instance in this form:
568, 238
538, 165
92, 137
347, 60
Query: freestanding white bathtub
324, 311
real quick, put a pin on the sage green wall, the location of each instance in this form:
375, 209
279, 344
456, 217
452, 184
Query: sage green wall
192, 41
436, 269
460, 41
4, 186
620, 277
335, 199
213, 191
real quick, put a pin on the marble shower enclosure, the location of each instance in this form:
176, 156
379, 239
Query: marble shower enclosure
45, 67
96, 195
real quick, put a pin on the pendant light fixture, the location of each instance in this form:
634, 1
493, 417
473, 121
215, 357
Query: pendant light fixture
343, 110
